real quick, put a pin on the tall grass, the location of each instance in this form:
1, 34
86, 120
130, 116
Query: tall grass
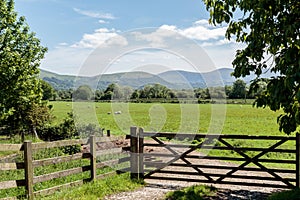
98, 189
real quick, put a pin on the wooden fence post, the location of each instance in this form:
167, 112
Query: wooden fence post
141, 153
108, 133
297, 160
93, 159
133, 153
28, 169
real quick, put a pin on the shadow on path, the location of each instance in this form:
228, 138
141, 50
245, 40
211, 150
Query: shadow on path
222, 194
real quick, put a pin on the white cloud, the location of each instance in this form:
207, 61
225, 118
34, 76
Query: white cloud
100, 37
99, 15
201, 31
157, 38
201, 22
63, 44
101, 21
68, 58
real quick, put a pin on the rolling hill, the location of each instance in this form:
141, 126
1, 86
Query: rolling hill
176, 79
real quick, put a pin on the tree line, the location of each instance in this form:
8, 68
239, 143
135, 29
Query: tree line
239, 90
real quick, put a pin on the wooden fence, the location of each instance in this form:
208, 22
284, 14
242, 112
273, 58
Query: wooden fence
244, 166
30, 164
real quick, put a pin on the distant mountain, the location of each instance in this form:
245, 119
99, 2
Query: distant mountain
132, 79
184, 79
177, 79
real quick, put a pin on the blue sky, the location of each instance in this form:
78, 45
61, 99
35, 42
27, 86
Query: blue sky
73, 30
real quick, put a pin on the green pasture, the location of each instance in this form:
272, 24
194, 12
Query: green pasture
200, 118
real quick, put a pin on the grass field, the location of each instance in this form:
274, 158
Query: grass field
239, 119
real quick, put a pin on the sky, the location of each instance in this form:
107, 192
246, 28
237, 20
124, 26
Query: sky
99, 36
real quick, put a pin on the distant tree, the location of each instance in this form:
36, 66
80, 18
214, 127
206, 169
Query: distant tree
155, 91
238, 90
146, 92
160, 91
113, 91
108, 95
83, 92
228, 90
181, 94
47, 90
65, 94
201, 93
171, 94
270, 31
216, 92
127, 91
135, 94
98, 95
20, 55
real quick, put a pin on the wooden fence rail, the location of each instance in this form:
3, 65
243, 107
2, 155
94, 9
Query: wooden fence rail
184, 162
30, 164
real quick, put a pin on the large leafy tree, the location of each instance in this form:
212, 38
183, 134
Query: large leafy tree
270, 30
239, 90
20, 55
83, 92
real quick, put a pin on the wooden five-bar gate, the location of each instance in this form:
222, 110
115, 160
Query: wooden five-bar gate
276, 164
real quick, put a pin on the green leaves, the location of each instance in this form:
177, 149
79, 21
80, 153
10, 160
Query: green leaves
20, 55
270, 30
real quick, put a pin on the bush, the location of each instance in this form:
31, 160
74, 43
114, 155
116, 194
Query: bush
67, 130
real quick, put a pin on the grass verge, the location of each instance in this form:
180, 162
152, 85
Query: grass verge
195, 192
97, 189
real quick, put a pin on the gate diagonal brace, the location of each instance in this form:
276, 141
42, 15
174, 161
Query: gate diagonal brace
177, 157
255, 161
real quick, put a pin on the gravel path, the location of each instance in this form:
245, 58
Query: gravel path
158, 192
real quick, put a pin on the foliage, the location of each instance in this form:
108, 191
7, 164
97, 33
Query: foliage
239, 90
47, 90
270, 30
38, 116
20, 55
83, 92
202, 93
65, 94
67, 129
290, 195
153, 91
35, 117
195, 192
64, 130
